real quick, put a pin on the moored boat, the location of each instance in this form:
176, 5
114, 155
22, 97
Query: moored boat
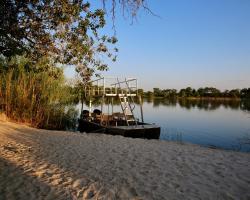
116, 123
141, 130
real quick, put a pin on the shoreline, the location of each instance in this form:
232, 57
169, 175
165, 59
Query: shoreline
43, 164
199, 98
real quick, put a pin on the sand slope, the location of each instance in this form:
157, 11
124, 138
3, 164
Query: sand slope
41, 164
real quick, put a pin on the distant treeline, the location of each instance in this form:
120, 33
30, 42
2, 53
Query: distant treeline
188, 103
207, 92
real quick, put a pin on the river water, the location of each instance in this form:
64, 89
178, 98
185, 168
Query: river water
217, 124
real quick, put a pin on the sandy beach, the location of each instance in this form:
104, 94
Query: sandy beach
42, 164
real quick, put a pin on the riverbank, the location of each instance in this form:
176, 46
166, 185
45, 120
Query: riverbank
42, 164
199, 98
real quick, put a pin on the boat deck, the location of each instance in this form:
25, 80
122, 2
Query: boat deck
143, 126
149, 131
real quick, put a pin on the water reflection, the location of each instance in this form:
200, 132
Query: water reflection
213, 123
201, 104
245, 105
206, 104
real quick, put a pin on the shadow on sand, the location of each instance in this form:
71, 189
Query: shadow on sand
15, 183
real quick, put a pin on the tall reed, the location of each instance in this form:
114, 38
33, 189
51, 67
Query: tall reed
35, 93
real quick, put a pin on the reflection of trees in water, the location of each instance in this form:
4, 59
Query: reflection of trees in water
245, 105
164, 102
149, 99
203, 104
207, 104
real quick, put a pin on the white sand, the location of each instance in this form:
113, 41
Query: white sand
40, 164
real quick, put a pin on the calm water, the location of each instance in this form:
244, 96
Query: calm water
220, 124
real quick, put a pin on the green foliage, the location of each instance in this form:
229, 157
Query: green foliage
38, 36
245, 93
207, 92
66, 32
33, 94
140, 92
157, 92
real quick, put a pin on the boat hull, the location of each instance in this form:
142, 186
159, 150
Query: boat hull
142, 130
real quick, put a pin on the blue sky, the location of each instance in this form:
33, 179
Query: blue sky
195, 43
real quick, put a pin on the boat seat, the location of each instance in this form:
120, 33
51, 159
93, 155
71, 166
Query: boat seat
117, 116
84, 114
97, 118
105, 119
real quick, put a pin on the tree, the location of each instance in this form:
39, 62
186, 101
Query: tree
245, 93
11, 35
157, 92
48, 34
201, 92
182, 93
188, 91
66, 32
234, 93
140, 92
173, 93
130, 6
149, 94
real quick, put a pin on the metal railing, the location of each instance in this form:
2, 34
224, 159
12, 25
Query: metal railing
126, 90
111, 87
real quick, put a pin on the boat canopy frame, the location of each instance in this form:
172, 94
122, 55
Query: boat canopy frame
111, 86
125, 89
